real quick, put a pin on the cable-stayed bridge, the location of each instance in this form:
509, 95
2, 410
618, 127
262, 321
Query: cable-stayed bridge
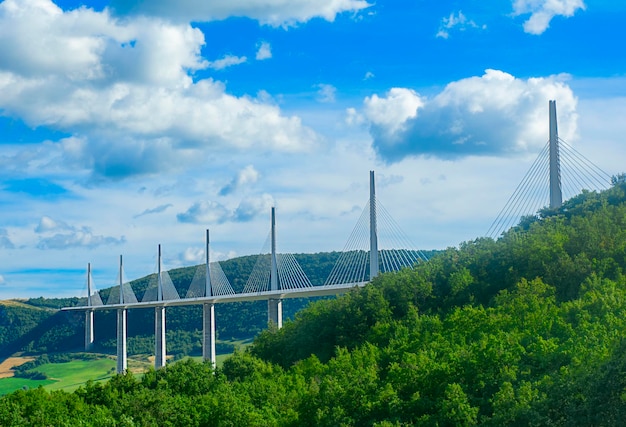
558, 172
277, 276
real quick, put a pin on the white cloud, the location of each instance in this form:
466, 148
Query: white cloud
47, 224
269, 12
193, 255
125, 87
354, 118
227, 61
206, 212
264, 51
60, 235
39, 42
158, 209
251, 207
2, 280
78, 238
392, 111
368, 75
495, 114
326, 92
248, 175
456, 21
542, 11
211, 212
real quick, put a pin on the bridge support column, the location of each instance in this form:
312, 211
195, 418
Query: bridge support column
159, 337
121, 341
373, 229
275, 312
208, 333
89, 314
274, 306
556, 197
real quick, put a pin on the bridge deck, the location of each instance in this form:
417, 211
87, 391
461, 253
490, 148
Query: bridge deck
315, 291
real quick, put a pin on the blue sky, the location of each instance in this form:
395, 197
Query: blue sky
128, 124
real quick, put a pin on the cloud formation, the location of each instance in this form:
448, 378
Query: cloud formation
251, 207
496, 114
124, 89
226, 61
542, 11
156, 210
457, 21
211, 212
326, 93
47, 224
248, 175
392, 112
268, 12
60, 235
205, 212
264, 51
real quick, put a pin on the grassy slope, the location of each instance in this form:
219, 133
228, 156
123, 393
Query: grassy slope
63, 376
8, 385
70, 375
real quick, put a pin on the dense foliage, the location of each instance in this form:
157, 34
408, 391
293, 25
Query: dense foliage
526, 330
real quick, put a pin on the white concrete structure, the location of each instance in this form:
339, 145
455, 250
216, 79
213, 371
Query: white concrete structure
556, 197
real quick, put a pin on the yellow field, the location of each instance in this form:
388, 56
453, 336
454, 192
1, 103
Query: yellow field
8, 364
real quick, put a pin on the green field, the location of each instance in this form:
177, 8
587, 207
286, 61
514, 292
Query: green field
69, 376
8, 385
63, 376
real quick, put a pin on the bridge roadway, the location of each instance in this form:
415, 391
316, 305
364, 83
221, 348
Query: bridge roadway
274, 299
314, 291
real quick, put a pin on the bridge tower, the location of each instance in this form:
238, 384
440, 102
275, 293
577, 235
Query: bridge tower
556, 197
373, 229
208, 314
89, 314
159, 322
274, 305
121, 328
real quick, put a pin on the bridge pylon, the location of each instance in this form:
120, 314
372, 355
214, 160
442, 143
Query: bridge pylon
374, 266
274, 305
567, 172
556, 196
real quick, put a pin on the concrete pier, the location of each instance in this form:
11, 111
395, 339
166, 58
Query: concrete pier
208, 333
122, 361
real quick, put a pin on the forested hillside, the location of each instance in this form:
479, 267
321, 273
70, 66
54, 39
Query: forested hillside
526, 330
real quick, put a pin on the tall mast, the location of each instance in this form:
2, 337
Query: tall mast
208, 292
373, 229
556, 197
274, 271
121, 282
160, 282
89, 284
